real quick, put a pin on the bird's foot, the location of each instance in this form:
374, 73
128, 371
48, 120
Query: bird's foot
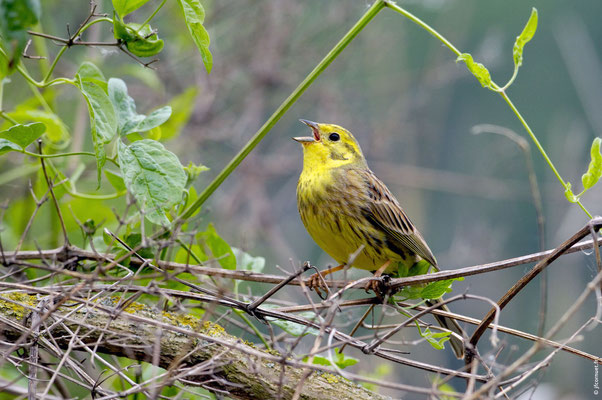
318, 283
380, 286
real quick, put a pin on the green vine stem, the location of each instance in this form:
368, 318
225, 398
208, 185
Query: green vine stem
422, 24
290, 100
151, 16
494, 87
46, 81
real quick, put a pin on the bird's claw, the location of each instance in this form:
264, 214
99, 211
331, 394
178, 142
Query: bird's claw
316, 282
379, 285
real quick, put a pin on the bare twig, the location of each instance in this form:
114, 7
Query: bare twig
55, 201
268, 278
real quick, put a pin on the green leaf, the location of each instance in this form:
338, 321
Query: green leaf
15, 17
120, 30
339, 359
182, 104
246, 262
140, 40
220, 249
194, 14
442, 386
128, 119
525, 36
124, 7
134, 240
411, 292
101, 110
146, 46
343, 361
124, 105
103, 121
190, 196
193, 171
436, 340
568, 193
183, 257
435, 290
56, 131
420, 268
318, 360
7, 145
153, 120
23, 135
477, 69
153, 175
594, 171
115, 180
87, 71
293, 328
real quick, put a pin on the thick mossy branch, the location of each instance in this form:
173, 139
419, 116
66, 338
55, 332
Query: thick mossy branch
190, 348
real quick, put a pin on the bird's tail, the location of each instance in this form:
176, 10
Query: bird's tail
452, 325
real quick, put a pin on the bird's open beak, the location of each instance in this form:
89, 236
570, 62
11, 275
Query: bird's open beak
309, 139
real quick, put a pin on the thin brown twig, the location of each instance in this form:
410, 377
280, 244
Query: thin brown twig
55, 201
34, 352
268, 278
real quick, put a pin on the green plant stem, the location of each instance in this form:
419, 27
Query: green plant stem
96, 196
8, 118
422, 24
58, 155
189, 251
494, 87
242, 316
79, 153
510, 81
290, 100
53, 65
151, 16
533, 137
540, 147
45, 81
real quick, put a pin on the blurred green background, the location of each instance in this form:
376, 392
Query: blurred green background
410, 106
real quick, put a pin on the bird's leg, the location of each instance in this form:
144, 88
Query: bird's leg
317, 281
374, 285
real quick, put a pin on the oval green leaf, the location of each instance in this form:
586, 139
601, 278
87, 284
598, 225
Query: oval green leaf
7, 145
153, 175
477, 69
124, 7
129, 120
220, 249
194, 15
525, 36
23, 135
594, 171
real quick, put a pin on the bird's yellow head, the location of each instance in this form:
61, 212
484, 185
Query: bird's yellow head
330, 146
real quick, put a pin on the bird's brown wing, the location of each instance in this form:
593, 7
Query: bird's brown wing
385, 213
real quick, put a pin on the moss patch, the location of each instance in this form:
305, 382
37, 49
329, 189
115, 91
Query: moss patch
14, 305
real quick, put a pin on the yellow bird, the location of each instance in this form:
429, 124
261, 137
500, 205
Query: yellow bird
348, 211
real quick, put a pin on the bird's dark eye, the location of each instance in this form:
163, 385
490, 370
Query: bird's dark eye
334, 136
